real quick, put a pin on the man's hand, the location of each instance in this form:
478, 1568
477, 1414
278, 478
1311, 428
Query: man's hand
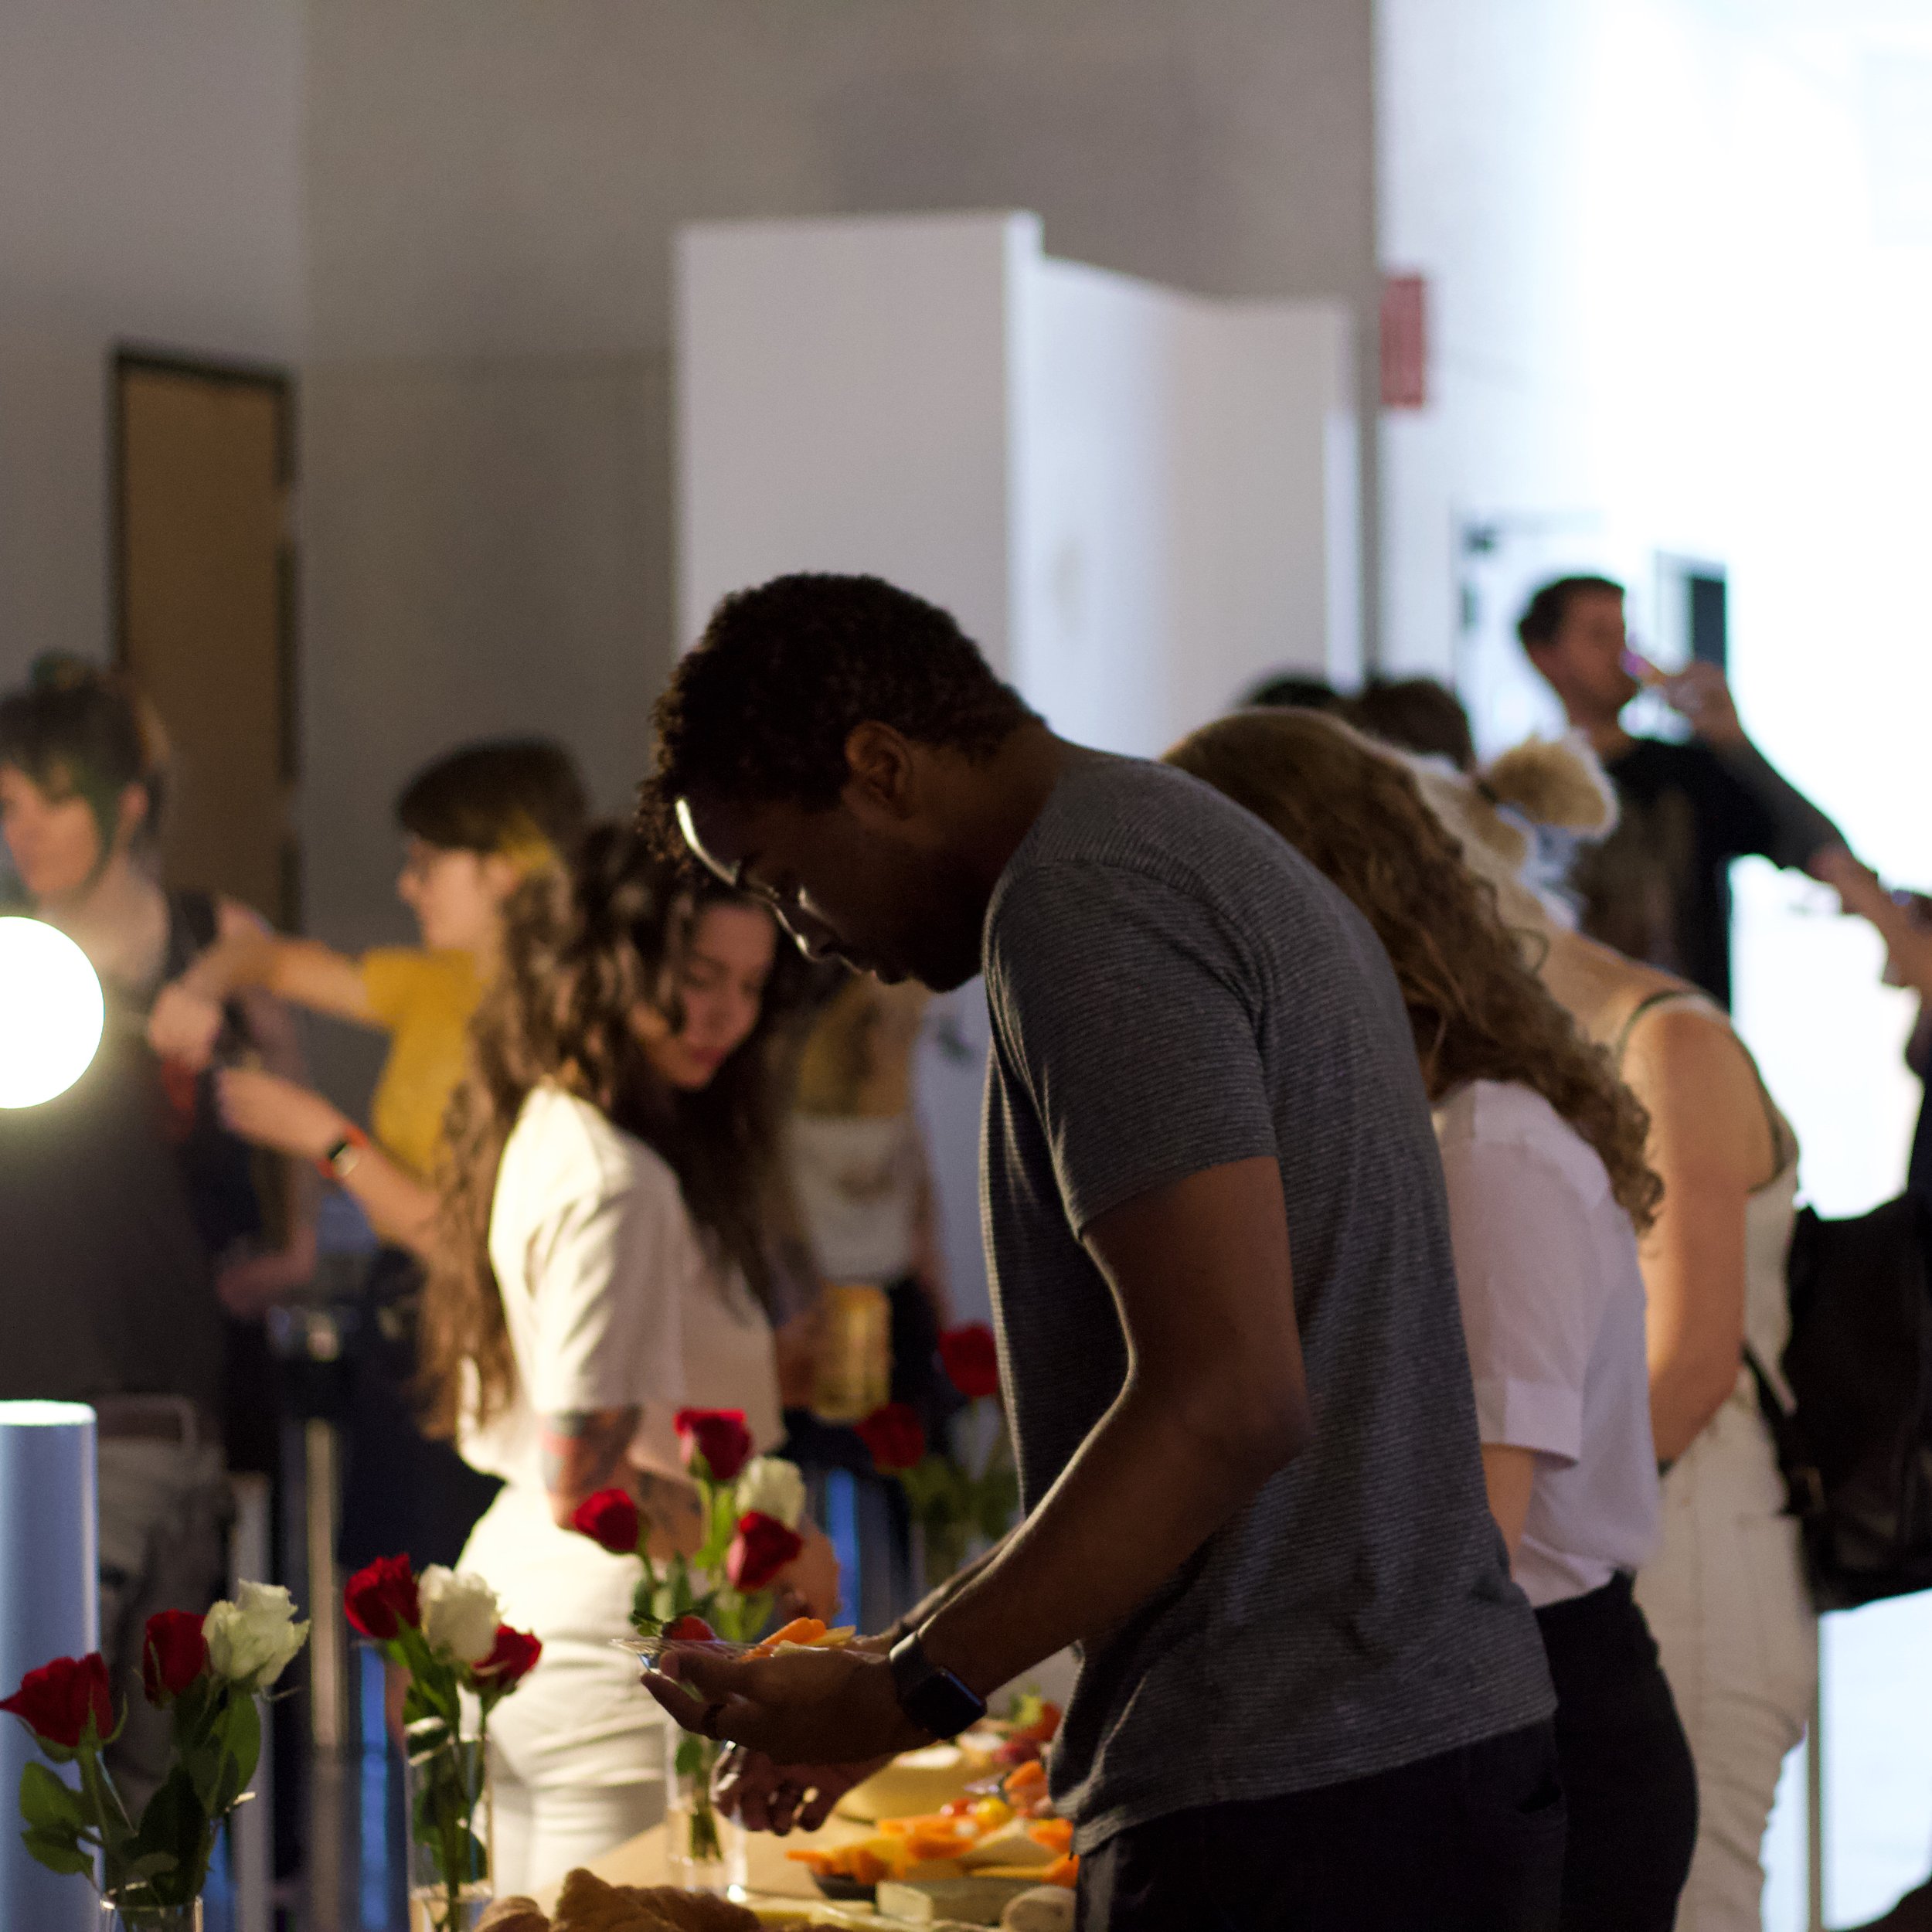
1699, 694
763, 1796
803, 1707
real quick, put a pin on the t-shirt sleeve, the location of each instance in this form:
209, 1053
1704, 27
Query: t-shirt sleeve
1128, 1015
1760, 812
607, 1268
1527, 1273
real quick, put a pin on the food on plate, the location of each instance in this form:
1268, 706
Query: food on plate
803, 1633
689, 1628
1002, 1830
1044, 1908
1034, 1725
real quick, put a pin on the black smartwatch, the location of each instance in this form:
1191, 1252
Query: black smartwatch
934, 1699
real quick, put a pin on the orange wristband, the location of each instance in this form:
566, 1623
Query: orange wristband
340, 1161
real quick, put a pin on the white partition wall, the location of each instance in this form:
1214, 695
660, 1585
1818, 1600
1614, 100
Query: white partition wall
1136, 500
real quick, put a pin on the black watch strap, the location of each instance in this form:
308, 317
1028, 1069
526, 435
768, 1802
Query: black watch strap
933, 1697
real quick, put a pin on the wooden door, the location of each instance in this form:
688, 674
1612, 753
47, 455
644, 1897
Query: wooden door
205, 566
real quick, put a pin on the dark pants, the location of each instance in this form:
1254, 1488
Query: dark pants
1472, 1841
1627, 1768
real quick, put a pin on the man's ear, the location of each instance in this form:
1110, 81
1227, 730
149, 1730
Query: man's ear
882, 779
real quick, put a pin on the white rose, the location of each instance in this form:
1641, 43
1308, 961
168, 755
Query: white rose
772, 1487
460, 1614
253, 1640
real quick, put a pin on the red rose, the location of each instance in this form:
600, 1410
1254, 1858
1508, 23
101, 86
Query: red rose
379, 1599
762, 1547
58, 1702
720, 1435
173, 1654
971, 1359
512, 1657
894, 1436
609, 1518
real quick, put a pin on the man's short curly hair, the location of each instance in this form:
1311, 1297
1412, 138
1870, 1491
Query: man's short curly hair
759, 711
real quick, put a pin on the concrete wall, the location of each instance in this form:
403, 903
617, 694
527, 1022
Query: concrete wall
151, 159
492, 187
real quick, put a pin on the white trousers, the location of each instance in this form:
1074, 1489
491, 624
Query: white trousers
576, 1765
1726, 1598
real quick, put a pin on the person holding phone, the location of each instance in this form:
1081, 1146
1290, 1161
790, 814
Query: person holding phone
1657, 888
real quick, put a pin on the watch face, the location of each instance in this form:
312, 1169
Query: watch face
945, 1706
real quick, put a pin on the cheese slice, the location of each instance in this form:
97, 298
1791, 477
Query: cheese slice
1011, 1846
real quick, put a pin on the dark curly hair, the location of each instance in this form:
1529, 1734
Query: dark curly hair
1477, 1009
1543, 615
579, 952
760, 708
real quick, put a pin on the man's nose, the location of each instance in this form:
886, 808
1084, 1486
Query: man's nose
815, 938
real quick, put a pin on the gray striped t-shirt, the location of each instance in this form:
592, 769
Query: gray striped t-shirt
1173, 987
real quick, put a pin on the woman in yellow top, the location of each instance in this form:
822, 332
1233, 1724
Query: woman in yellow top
478, 821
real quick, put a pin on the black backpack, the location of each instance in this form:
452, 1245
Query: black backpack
1856, 1449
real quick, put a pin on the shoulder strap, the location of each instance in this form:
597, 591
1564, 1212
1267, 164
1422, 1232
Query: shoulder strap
1621, 1044
1782, 1149
196, 920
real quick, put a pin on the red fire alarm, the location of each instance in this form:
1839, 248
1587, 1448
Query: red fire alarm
1405, 342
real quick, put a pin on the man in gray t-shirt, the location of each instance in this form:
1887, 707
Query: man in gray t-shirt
1229, 1337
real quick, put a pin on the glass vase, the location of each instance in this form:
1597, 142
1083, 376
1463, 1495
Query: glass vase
706, 1849
123, 1913
447, 1789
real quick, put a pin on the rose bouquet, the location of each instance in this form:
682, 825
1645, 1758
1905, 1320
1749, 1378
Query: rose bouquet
751, 1507
443, 1630
953, 1499
206, 1673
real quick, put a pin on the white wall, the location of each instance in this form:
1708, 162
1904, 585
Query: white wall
1136, 500
1681, 255
1185, 508
150, 159
843, 404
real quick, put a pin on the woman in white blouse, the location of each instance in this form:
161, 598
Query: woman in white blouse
609, 1205
1543, 1155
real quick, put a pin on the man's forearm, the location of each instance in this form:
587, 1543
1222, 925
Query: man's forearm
1148, 1487
931, 1604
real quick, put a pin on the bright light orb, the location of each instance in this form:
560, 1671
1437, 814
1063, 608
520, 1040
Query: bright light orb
51, 1012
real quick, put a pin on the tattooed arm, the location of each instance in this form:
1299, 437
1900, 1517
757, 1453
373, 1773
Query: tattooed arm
584, 1451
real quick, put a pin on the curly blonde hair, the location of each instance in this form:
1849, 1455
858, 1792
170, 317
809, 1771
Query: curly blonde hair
1477, 1009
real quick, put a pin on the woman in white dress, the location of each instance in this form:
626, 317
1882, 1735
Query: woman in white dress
609, 1203
1726, 1592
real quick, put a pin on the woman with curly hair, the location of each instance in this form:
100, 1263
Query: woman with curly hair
606, 1256
1726, 1592
1543, 1153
